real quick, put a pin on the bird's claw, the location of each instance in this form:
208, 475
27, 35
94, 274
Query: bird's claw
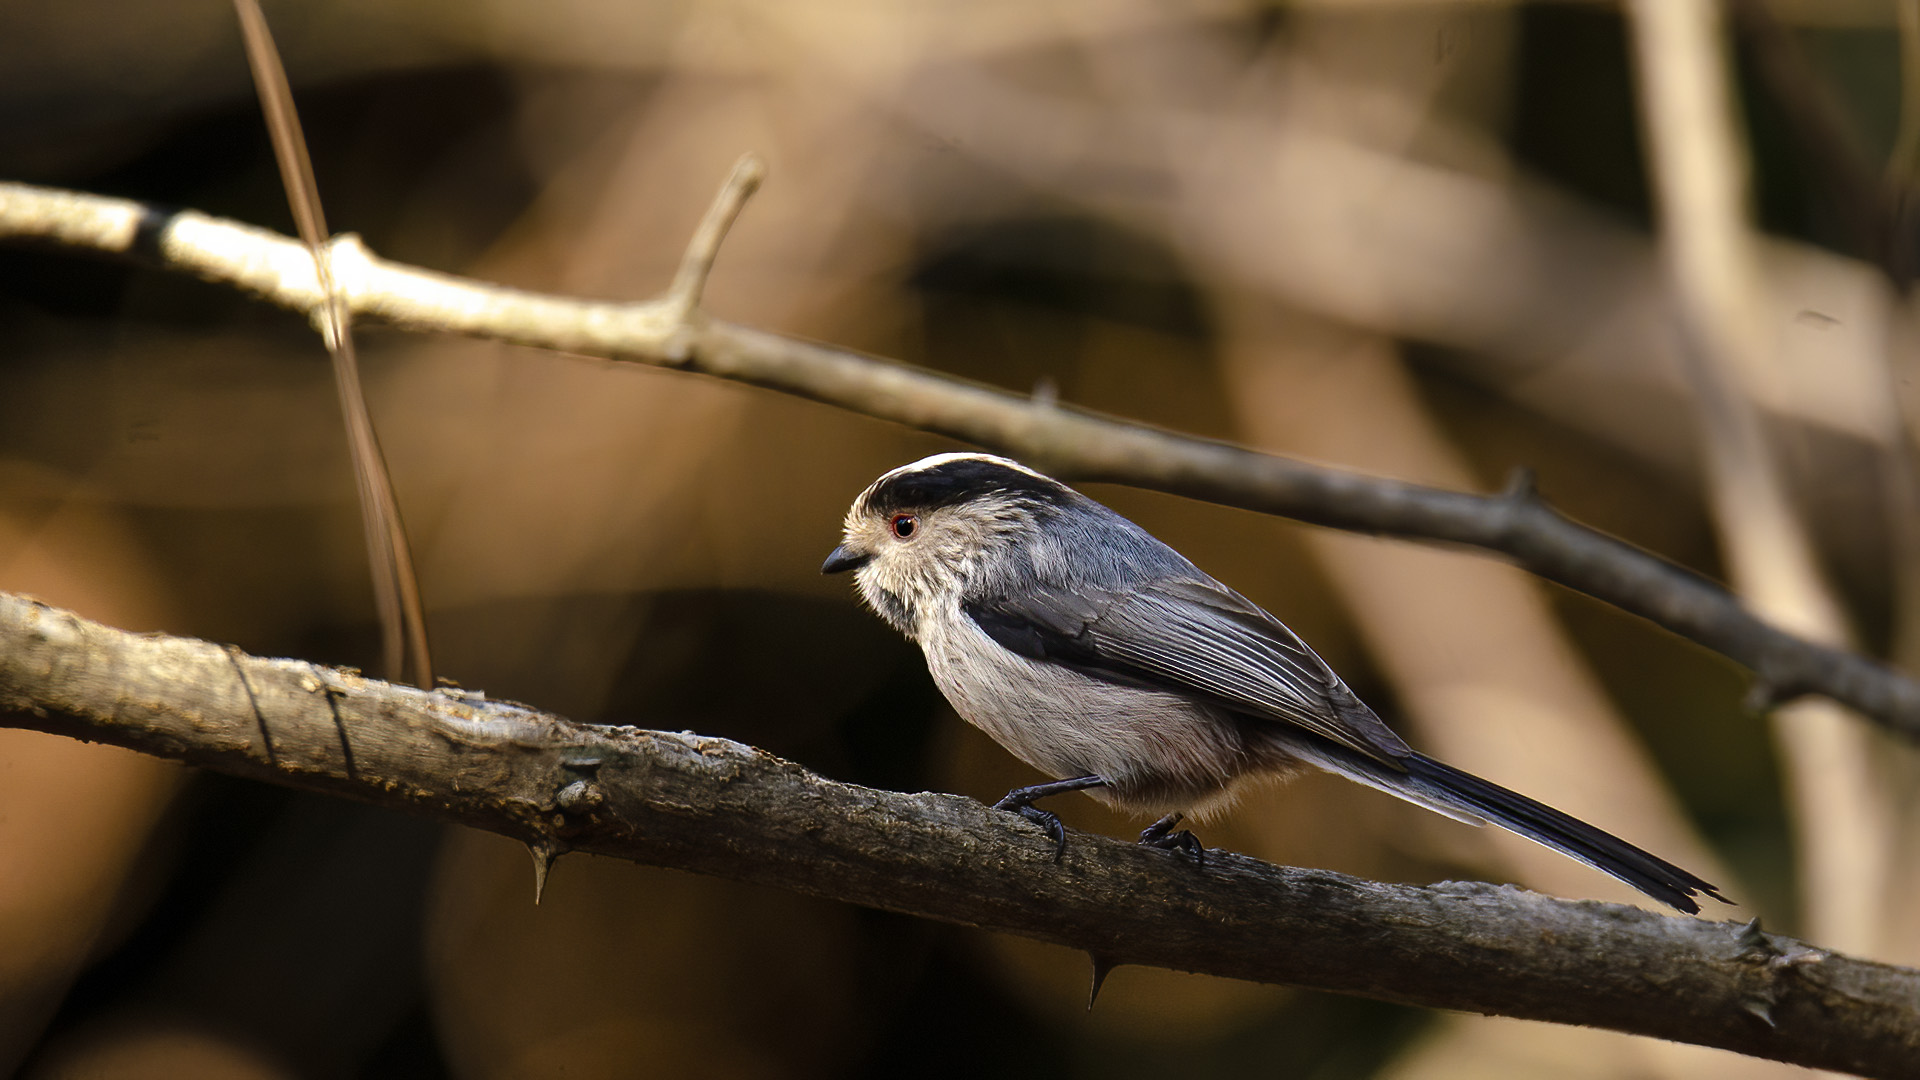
1020, 801
1161, 835
1049, 823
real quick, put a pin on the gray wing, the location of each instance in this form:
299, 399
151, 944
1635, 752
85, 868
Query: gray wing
1195, 636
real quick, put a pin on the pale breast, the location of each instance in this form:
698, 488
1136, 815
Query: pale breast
1160, 752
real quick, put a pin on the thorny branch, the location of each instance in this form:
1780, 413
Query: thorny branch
1074, 443
718, 807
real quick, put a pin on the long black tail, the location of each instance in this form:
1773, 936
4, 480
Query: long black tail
1464, 796
1603, 851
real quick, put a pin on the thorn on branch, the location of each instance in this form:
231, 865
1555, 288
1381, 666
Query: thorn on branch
1752, 939
1758, 945
1102, 967
545, 853
683, 297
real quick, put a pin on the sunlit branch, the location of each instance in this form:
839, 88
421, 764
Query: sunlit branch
1066, 441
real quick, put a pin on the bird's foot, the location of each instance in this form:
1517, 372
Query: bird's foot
1020, 801
1048, 821
1161, 834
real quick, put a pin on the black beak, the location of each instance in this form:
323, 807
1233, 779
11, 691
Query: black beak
843, 559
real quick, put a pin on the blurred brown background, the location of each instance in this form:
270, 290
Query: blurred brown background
1408, 238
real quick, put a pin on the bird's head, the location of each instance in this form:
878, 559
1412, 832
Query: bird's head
921, 534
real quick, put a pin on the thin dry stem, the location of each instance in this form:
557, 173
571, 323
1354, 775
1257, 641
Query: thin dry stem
396, 588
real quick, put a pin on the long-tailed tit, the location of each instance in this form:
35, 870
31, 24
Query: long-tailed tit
1100, 656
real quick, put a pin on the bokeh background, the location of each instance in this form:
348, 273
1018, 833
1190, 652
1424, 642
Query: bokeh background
1414, 239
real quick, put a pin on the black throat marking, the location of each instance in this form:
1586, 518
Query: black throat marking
892, 609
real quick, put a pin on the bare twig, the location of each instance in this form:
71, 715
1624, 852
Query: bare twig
1072, 442
691, 280
717, 807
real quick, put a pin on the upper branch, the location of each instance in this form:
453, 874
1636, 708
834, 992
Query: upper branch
717, 807
1066, 441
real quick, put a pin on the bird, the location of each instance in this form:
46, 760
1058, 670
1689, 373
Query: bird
1105, 659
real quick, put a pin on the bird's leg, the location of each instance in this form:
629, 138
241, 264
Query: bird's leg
1020, 801
1160, 834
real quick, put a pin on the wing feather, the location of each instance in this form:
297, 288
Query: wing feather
1195, 636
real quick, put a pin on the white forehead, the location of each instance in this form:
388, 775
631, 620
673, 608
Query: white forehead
937, 460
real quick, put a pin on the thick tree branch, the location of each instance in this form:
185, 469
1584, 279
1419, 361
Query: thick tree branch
717, 807
1067, 441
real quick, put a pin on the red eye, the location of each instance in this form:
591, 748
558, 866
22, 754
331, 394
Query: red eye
904, 525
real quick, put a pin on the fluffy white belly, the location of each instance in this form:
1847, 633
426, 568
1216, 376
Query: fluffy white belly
1159, 752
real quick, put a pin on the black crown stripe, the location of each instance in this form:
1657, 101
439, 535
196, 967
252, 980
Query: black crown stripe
962, 480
